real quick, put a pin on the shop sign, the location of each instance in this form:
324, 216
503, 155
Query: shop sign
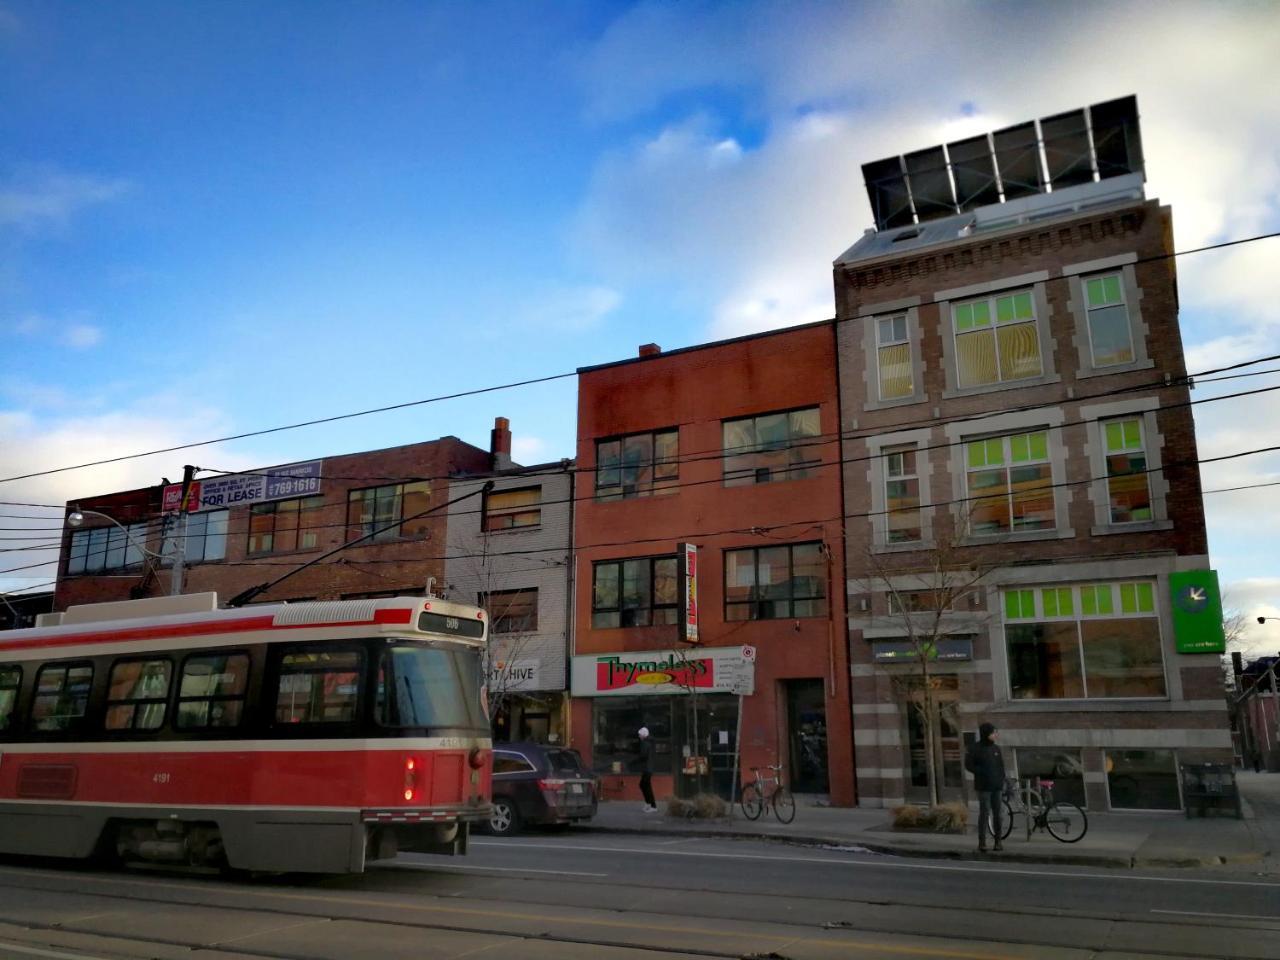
712, 670
513, 675
688, 553
243, 489
904, 651
1197, 612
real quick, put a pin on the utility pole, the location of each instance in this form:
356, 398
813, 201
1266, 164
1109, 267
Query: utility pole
180, 538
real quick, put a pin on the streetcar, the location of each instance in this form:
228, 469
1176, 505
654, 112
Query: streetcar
294, 737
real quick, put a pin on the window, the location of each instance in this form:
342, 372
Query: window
893, 358
212, 691
382, 509
61, 697
1009, 482
1142, 779
1110, 337
615, 747
512, 509
634, 593
138, 694
771, 583
206, 537
638, 465
773, 446
1062, 765
106, 548
511, 763
318, 687
511, 611
1128, 486
996, 340
901, 495
1093, 641
10, 684
284, 525
430, 687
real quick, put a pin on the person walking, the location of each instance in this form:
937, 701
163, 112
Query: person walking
645, 764
986, 763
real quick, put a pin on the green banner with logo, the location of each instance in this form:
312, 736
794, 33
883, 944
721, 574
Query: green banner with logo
1197, 612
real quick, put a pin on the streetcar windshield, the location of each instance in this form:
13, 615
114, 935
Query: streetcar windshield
430, 687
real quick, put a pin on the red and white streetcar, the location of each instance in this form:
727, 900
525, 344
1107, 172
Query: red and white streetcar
310, 737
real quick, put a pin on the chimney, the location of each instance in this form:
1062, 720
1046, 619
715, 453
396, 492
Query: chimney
649, 349
500, 443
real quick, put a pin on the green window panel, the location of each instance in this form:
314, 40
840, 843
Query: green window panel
1027, 447
1014, 308
986, 453
1103, 291
1019, 604
1124, 435
1137, 598
1057, 602
1095, 600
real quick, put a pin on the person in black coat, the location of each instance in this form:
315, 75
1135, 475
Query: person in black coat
644, 763
986, 763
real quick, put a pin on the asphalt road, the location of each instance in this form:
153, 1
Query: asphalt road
575, 897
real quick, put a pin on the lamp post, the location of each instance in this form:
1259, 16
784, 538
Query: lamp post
76, 517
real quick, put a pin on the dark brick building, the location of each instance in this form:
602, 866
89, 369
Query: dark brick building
1014, 401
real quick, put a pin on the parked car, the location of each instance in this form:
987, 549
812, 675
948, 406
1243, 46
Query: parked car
535, 783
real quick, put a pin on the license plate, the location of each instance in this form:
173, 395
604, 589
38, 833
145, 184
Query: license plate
575, 788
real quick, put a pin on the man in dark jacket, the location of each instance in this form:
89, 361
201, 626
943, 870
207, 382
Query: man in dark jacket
645, 764
986, 763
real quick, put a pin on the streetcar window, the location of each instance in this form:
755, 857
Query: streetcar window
318, 687
138, 694
10, 681
431, 688
62, 696
212, 691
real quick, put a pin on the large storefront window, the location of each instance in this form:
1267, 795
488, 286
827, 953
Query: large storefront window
615, 747
1091, 641
1143, 780
1062, 765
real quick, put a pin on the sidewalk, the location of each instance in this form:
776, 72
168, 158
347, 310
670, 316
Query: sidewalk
1113, 840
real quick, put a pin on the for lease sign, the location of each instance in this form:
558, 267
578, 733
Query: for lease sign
242, 489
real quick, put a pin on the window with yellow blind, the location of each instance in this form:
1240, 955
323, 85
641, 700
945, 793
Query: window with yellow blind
513, 509
1128, 485
996, 340
1010, 484
893, 358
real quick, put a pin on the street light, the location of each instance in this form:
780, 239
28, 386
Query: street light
76, 517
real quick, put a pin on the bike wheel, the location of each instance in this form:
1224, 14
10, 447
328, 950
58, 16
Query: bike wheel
784, 805
1065, 821
752, 802
1006, 828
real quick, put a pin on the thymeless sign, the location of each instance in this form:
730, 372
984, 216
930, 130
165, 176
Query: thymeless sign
707, 670
243, 489
1197, 612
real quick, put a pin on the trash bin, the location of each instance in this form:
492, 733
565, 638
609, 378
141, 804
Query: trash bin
1210, 786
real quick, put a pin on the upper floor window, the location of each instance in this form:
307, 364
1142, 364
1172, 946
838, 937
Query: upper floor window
284, 525
996, 339
138, 694
1110, 336
106, 548
772, 446
10, 684
772, 583
512, 509
1128, 483
391, 511
1088, 641
901, 494
634, 593
205, 537
1010, 484
638, 465
893, 358
511, 611
62, 695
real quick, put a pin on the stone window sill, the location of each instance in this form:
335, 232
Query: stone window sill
1149, 526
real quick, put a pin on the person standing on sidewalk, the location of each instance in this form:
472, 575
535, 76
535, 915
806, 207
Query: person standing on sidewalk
986, 763
645, 764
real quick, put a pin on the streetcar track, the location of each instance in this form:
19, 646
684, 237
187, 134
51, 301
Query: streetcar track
775, 940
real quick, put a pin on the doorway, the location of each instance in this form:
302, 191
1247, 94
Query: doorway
807, 736
948, 753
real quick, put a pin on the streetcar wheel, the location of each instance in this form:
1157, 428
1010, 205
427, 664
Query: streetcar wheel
505, 818
752, 802
784, 805
1066, 821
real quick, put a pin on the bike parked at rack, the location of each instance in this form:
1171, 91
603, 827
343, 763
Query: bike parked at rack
768, 791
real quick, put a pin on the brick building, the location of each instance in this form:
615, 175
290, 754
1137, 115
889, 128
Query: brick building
729, 447
232, 548
1014, 400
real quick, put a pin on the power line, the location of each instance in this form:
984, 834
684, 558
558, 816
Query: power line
508, 386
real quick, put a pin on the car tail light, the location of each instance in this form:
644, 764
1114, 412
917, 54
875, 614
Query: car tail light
410, 778
551, 784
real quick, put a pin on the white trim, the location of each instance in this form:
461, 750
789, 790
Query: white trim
1104, 263
992, 286
255, 746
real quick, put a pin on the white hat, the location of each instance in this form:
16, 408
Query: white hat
643, 732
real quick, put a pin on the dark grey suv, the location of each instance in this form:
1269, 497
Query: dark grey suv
538, 783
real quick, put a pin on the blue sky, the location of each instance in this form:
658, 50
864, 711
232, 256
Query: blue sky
216, 217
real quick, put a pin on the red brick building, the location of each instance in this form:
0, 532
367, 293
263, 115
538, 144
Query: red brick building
730, 447
1015, 398
229, 549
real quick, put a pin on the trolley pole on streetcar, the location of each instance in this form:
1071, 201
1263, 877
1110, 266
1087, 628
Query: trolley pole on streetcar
180, 534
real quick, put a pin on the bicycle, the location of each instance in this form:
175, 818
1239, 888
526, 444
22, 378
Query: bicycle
1035, 804
756, 796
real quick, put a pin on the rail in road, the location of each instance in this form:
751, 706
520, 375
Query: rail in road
559, 898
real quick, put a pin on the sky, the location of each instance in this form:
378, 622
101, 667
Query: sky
218, 217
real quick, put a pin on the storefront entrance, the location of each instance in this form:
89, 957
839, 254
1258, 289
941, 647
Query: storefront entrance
948, 753
715, 739
807, 736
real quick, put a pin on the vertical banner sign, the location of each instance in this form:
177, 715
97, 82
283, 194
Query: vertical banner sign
1197, 612
688, 554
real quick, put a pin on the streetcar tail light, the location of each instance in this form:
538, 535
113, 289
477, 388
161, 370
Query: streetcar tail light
476, 758
410, 778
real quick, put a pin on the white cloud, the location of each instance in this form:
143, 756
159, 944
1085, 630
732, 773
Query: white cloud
82, 336
570, 309
525, 449
35, 197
